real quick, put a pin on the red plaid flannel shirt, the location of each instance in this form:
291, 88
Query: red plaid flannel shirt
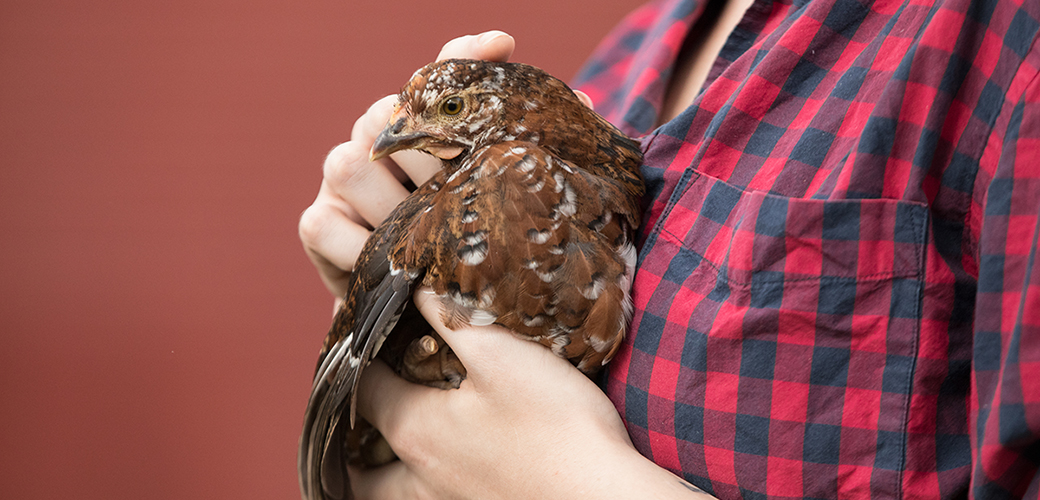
838, 292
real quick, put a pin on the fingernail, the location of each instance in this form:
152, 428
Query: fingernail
487, 37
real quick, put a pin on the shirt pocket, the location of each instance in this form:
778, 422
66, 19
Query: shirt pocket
798, 322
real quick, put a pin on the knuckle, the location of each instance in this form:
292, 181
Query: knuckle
313, 222
345, 165
376, 116
380, 110
420, 492
408, 442
409, 451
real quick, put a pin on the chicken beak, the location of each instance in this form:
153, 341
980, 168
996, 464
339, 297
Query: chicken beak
397, 135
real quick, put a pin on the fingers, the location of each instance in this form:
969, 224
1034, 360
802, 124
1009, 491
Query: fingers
368, 126
413, 165
357, 194
386, 400
332, 241
487, 352
489, 46
368, 187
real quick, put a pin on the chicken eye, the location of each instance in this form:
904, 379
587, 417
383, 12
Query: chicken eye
452, 106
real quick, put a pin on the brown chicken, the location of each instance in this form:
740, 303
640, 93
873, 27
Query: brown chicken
528, 225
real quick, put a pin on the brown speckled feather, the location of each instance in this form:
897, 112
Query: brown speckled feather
528, 226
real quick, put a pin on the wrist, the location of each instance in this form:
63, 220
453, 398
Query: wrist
617, 470
648, 480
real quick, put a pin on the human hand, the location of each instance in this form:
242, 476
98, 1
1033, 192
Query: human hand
519, 401
523, 424
576, 432
356, 194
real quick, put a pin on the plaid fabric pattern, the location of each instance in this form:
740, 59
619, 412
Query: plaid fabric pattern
838, 291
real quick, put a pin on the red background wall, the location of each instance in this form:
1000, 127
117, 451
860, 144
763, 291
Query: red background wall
159, 321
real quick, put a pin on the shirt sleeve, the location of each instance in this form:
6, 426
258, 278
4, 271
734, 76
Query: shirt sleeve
1005, 397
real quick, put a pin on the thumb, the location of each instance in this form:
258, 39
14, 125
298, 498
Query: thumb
489, 351
489, 46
